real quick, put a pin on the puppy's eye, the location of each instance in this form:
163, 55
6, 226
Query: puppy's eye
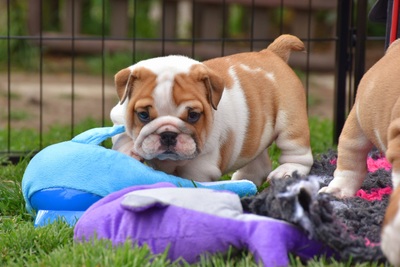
143, 116
193, 116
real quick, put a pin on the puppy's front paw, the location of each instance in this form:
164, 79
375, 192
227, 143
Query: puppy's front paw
287, 169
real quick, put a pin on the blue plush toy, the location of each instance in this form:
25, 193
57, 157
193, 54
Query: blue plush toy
66, 178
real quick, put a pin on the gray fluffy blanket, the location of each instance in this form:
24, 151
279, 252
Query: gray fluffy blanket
351, 227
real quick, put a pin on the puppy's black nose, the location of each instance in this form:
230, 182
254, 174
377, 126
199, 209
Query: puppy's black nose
168, 138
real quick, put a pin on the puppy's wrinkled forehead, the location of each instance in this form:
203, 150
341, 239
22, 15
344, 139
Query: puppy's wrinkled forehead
166, 69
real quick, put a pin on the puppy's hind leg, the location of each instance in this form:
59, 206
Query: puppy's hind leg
351, 167
294, 142
257, 170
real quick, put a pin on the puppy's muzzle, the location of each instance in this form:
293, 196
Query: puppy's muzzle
168, 139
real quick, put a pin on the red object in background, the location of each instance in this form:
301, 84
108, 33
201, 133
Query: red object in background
395, 21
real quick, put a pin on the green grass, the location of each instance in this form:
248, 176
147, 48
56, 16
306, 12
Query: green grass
23, 245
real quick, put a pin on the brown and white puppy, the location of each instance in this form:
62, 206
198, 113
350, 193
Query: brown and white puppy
374, 121
200, 120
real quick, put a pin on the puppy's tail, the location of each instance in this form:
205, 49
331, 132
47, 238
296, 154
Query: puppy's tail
284, 44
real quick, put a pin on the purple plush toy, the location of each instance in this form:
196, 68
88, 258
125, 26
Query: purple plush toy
192, 222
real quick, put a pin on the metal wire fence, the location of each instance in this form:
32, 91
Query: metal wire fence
58, 58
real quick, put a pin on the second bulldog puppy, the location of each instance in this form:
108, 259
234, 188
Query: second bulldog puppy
200, 120
374, 121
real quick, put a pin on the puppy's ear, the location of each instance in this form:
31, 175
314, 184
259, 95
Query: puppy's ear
213, 83
123, 83
215, 86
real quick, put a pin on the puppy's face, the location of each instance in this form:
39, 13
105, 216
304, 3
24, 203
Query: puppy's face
169, 106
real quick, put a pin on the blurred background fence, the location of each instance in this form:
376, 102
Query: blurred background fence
58, 58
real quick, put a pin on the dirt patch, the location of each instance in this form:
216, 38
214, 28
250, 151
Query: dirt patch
61, 99
321, 95
52, 103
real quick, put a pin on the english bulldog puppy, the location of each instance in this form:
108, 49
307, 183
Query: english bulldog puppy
374, 120
200, 120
